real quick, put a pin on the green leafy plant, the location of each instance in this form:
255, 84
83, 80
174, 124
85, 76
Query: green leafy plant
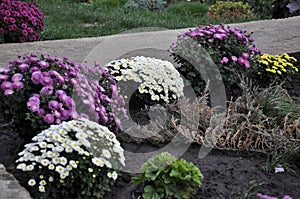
167, 177
232, 50
75, 159
228, 10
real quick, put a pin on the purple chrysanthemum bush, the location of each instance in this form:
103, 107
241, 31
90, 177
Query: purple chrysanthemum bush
37, 91
232, 50
20, 21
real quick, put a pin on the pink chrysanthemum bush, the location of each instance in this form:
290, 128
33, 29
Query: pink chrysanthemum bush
20, 21
37, 91
232, 50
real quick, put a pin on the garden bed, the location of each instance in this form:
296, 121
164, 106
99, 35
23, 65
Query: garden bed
226, 173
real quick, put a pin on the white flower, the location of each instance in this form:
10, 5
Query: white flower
42, 182
21, 166
51, 167
63, 161
31, 182
29, 167
56, 160
106, 153
41, 188
109, 174
51, 179
60, 169
81, 135
108, 164
43, 144
114, 175
73, 163
45, 162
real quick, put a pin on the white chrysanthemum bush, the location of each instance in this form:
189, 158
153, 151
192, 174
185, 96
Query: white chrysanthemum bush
156, 80
75, 159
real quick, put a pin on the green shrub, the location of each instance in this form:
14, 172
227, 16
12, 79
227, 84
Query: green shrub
151, 5
187, 8
229, 10
167, 176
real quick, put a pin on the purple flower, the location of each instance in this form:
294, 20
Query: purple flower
64, 114
46, 81
57, 114
234, 58
59, 93
34, 98
47, 90
6, 85
53, 105
219, 36
49, 118
243, 62
41, 112
18, 85
33, 69
43, 64
287, 197
70, 102
245, 55
8, 92
114, 90
3, 77
17, 77
224, 60
36, 76
33, 106
23, 67
210, 40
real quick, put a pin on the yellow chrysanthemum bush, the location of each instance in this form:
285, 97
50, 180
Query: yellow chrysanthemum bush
75, 159
274, 68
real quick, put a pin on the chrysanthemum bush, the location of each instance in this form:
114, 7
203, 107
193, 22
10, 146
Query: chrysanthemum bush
75, 159
227, 10
274, 69
232, 50
20, 21
157, 80
37, 91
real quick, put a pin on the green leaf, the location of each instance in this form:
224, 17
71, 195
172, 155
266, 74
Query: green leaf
150, 193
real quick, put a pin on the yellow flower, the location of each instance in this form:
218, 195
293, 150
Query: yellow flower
279, 72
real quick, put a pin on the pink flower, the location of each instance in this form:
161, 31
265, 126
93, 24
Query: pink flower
234, 58
23, 67
49, 118
18, 85
36, 76
43, 64
17, 77
224, 60
6, 85
245, 55
47, 90
53, 105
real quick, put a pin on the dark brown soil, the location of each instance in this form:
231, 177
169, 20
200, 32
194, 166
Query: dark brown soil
226, 173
